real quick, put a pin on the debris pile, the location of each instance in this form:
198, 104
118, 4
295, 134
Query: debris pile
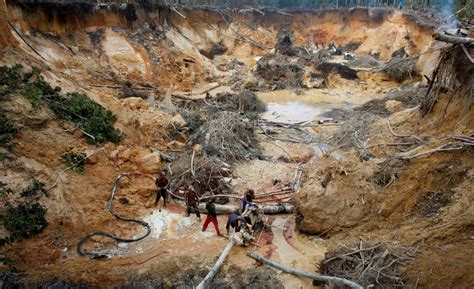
370, 265
204, 173
245, 101
400, 69
365, 61
229, 136
281, 71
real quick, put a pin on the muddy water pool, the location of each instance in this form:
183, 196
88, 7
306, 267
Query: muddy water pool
287, 106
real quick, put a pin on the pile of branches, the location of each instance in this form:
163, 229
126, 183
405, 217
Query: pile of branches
245, 101
229, 136
280, 71
410, 96
370, 265
204, 173
400, 69
365, 61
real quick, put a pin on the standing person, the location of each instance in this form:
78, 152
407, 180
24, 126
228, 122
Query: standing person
233, 221
211, 217
401, 5
249, 195
192, 201
162, 184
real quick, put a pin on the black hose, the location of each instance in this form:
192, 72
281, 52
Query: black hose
118, 216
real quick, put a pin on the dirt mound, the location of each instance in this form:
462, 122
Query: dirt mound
327, 202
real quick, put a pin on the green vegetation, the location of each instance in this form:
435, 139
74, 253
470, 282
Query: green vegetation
88, 115
75, 160
7, 130
28, 218
36, 188
4, 189
23, 221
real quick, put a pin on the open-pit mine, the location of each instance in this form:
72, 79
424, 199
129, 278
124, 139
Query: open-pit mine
334, 144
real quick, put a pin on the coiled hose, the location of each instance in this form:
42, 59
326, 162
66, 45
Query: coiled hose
118, 216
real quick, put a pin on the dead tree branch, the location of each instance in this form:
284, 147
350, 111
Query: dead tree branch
453, 39
313, 276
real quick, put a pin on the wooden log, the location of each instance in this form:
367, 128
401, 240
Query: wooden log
205, 282
313, 276
453, 39
267, 209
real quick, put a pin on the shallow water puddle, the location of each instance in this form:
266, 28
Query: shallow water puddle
287, 106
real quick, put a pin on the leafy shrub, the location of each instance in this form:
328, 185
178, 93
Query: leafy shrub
75, 160
7, 130
4, 189
76, 107
24, 221
34, 189
87, 114
10, 80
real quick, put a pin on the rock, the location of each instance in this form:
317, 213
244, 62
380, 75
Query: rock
92, 160
197, 149
149, 162
178, 120
348, 56
393, 105
125, 155
113, 155
135, 103
175, 145
375, 53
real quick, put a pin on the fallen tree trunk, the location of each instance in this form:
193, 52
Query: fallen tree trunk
229, 209
313, 276
453, 39
205, 282
267, 209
